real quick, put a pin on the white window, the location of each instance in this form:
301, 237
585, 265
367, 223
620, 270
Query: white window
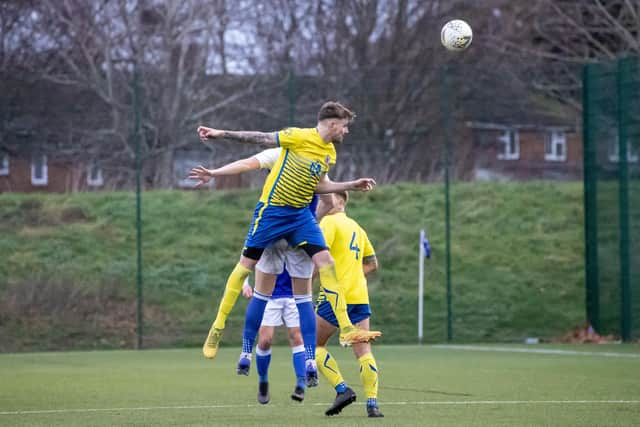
510, 145
613, 149
4, 164
94, 175
39, 173
555, 147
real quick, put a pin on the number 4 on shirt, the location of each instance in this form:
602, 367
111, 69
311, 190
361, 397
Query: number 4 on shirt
355, 248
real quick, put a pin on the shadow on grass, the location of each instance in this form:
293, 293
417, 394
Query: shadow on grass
423, 390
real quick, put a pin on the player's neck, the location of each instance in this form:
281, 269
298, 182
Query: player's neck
323, 132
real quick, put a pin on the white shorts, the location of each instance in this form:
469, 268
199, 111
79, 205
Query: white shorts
275, 256
278, 309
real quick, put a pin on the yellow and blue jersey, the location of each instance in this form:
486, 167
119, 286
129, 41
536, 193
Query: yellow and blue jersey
282, 211
349, 245
293, 178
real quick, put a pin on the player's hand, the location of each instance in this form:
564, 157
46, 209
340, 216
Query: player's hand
247, 292
209, 133
363, 184
202, 174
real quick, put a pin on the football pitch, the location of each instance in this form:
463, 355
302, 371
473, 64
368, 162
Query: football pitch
490, 385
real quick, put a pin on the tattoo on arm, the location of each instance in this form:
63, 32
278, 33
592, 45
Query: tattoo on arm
369, 259
260, 138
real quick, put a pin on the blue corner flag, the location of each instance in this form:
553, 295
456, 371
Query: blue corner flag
426, 247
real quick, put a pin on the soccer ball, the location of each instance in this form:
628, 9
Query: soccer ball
456, 35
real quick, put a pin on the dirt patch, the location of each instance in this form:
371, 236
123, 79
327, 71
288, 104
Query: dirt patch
74, 214
31, 213
585, 334
34, 213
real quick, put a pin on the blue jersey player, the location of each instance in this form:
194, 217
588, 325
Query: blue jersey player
281, 309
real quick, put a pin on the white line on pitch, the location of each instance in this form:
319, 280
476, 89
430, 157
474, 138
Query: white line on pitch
534, 350
434, 402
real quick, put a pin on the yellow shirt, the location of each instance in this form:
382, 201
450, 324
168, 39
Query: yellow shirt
348, 244
294, 176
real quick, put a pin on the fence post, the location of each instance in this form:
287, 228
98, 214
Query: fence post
136, 136
592, 291
444, 105
623, 80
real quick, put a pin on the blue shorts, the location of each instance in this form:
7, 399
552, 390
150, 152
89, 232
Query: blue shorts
272, 223
356, 312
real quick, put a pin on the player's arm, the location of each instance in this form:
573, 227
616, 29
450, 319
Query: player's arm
325, 185
369, 259
266, 139
204, 175
369, 264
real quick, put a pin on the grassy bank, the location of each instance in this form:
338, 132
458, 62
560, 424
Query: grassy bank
67, 276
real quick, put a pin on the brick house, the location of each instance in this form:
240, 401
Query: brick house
496, 152
33, 172
525, 151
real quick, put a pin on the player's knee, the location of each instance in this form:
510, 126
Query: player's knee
264, 343
295, 338
322, 258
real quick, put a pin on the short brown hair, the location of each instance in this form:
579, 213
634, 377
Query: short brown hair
335, 110
344, 195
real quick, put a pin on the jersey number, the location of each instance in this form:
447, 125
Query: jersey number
355, 247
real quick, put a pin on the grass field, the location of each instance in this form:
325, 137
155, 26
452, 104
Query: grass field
426, 386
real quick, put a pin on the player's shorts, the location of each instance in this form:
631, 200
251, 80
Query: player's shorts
278, 309
274, 257
272, 223
356, 312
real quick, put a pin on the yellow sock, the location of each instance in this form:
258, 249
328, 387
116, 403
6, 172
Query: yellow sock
328, 366
231, 291
369, 375
334, 294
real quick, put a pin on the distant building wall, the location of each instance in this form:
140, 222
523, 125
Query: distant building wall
526, 152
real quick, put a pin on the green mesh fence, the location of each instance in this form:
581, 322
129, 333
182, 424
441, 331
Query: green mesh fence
612, 196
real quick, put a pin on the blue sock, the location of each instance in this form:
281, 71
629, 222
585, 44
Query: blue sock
307, 324
372, 401
341, 388
263, 358
298, 365
252, 320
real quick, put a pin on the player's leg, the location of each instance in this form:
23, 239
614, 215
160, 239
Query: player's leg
264, 284
263, 358
326, 363
304, 305
368, 371
297, 354
300, 268
326, 326
292, 320
232, 289
334, 294
265, 228
325, 265
308, 236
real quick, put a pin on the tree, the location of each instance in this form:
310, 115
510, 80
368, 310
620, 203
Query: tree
179, 50
557, 37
